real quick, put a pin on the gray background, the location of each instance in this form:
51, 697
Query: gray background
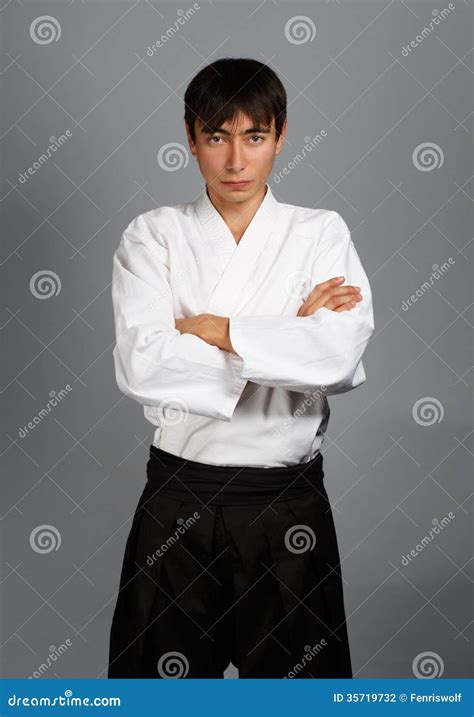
391, 472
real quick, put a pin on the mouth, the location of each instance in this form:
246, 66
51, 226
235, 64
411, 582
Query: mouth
237, 185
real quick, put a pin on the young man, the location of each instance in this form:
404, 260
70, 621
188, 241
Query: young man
236, 316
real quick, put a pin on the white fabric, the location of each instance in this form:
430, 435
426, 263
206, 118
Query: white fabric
266, 406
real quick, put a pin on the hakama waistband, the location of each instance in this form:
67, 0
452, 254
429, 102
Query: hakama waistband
192, 481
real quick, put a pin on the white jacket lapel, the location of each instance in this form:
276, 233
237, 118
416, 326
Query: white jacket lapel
241, 258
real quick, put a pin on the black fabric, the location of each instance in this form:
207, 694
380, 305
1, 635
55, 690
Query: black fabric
230, 564
230, 485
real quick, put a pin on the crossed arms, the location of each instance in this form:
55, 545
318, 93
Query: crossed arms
214, 329
201, 364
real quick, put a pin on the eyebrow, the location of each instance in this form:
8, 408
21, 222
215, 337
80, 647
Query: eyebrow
221, 130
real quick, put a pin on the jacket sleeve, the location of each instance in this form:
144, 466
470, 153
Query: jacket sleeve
323, 350
155, 364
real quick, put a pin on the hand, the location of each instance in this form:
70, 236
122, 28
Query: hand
332, 296
195, 325
212, 329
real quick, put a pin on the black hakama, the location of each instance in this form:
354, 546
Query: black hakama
230, 564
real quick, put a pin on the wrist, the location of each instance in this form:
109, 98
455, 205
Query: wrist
219, 332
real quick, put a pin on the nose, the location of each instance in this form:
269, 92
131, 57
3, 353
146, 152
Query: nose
235, 160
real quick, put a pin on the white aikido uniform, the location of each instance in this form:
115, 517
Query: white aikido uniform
266, 406
255, 579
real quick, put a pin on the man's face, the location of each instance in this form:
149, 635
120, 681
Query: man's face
245, 153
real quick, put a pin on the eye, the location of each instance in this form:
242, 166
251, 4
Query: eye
257, 136
214, 137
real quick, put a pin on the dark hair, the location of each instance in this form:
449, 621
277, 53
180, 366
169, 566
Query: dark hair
230, 85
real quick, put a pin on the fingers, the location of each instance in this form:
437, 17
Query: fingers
332, 298
338, 304
347, 306
340, 291
341, 298
330, 288
345, 301
334, 281
332, 295
324, 285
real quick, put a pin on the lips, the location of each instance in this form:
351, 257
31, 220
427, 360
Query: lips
239, 183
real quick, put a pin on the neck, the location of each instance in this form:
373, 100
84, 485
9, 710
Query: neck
237, 215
